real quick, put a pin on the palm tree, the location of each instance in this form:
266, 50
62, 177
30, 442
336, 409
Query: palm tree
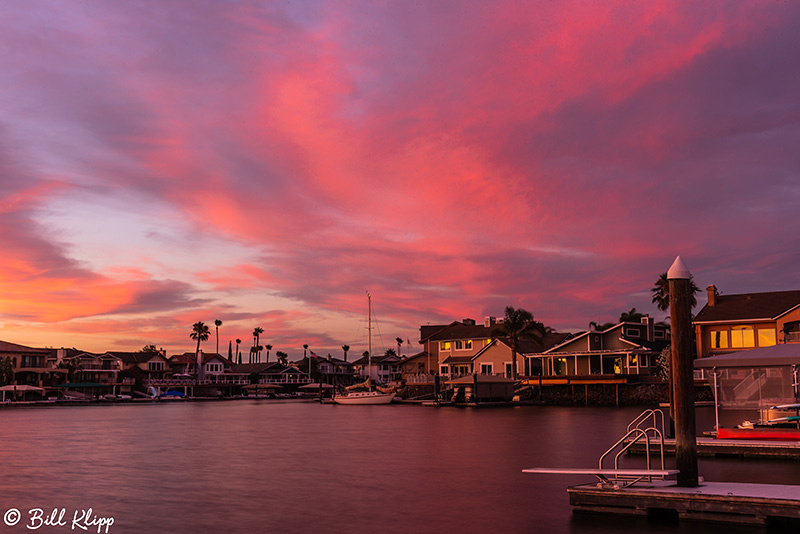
256, 336
661, 292
217, 324
345, 348
283, 358
390, 352
200, 332
399, 342
269, 348
73, 367
519, 323
630, 316
237, 349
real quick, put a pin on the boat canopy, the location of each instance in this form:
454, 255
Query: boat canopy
783, 355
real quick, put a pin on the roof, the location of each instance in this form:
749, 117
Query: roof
136, 357
5, 346
457, 330
459, 359
774, 356
257, 368
749, 306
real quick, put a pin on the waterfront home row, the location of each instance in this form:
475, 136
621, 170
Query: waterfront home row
727, 323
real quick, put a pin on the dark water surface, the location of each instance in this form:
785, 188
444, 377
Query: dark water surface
261, 466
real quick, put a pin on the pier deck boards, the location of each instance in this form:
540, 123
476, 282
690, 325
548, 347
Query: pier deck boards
711, 501
742, 448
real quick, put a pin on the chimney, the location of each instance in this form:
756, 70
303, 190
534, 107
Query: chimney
712, 295
489, 321
468, 322
651, 327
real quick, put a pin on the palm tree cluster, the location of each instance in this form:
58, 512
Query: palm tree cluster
519, 324
661, 292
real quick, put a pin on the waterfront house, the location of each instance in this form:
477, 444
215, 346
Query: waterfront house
627, 348
332, 370
381, 369
730, 323
271, 373
90, 367
465, 347
148, 365
31, 366
418, 364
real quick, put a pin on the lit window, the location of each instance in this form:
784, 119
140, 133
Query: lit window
488, 341
444, 345
742, 336
468, 344
719, 339
634, 360
766, 337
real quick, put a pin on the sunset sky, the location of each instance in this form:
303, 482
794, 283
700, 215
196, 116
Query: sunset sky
266, 164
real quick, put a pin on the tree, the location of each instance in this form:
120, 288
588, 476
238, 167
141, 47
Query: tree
73, 367
390, 352
345, 348
630, 316
269, 348
283, 358
399, 341
149, 349
256, 336
199, 333
660, 292
6, 371
217, 324
519, 324
238, 354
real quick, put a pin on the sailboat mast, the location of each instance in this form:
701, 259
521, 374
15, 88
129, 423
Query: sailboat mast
369, 338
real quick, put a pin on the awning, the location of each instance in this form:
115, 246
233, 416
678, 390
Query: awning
782, 355
82, 385
315, 385
21, 388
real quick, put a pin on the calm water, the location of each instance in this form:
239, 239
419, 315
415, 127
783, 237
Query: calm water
256, 466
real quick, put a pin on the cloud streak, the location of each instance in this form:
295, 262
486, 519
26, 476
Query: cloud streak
266, 165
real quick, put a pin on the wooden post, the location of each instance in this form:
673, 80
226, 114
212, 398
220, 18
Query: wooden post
682, 379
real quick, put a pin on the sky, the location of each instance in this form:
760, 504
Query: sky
269, 163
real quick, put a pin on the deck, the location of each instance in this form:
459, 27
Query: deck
758, 504
737, 448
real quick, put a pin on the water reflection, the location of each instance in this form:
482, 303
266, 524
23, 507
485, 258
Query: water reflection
254, 466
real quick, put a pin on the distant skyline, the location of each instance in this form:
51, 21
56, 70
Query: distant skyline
266, 164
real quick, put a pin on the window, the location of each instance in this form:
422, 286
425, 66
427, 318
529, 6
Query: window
508, 370
719, 339
486, 368
487, 341
633, 332
633, 360
444, 345
213, 367
459, 345
468, 344
742, 336
766, 337
658, 334
155, 366
443, 370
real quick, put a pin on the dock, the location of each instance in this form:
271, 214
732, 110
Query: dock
730, 448
755, 504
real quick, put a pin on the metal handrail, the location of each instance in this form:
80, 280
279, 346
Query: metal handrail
640, 433
642, 417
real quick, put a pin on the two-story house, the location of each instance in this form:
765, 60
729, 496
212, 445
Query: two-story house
729, 323
31, 366
627, 348
381, 369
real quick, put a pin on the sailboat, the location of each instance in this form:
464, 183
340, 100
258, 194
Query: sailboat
371, 396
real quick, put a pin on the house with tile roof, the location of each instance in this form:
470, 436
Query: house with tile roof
31, 365
627, 348
729, 323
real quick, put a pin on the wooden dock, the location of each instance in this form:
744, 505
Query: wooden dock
757, 504
730, 448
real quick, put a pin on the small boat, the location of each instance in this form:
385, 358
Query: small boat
371, 396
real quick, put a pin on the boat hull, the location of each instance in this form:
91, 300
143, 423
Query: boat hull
372, 397
759, 433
